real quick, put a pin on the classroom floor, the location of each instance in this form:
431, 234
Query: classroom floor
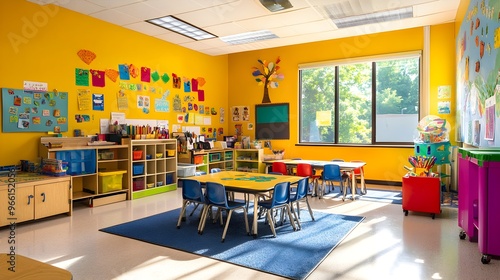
386, 245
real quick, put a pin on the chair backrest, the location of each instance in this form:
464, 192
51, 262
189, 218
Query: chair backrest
304, 170
275, 173
332, 172
216, 194
191, 189
281, 194
301, 189
280, 167
357, 171
215, 170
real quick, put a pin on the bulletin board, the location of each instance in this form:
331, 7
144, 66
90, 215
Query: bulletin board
272, 121
32, 111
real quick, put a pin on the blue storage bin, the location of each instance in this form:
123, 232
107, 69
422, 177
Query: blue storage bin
170, 179
78, 161
138, 169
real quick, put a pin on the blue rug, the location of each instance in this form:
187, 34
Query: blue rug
292, 254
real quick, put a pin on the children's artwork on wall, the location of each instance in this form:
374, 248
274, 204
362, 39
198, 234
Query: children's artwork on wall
176, 81
478, 65
97, 78
221, 131
155, 76
23, 112
133, 70
207, 110
86, 56
201, 81
122, 100
165, 78
81, 77
194, 84
143, 101
180, 118
112, 74
240, 113
124, 72
84, 99
213, 111
490, 118
145, 74
187, 84
250, 126
201, 95
98, 102
235, 113
444, 107
444, 92
177, 104
201, 109
162, 105
222, 115
132, 87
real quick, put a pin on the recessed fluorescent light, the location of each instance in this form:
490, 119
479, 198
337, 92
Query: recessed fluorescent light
378, 17
276, 5
248, 37
181, 27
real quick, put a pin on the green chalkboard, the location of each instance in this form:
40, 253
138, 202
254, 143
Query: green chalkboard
272, 121
33, 111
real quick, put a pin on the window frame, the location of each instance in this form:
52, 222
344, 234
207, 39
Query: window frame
373, 60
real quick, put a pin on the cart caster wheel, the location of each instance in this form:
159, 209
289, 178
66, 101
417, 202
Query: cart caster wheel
433, 216
406, 212
485, 259
462, 235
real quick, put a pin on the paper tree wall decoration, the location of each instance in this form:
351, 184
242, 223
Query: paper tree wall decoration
267, 74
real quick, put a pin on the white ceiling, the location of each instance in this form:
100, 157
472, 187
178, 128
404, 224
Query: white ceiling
307, 21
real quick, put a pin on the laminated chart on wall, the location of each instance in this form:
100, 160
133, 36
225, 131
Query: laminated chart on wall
32, 111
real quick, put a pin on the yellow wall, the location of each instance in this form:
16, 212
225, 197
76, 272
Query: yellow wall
383, 163
47, 53
39, 43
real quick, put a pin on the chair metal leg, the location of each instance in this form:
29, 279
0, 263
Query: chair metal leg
183, 210
290, 216
227, 224
295, 216
271, 222
245, 213
194, 209
310, 210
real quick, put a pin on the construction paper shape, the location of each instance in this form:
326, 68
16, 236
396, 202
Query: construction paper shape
194, 84
162, 105
201, 95
81, 77
176, 81
201, 81
86, 56
97, 78
112, 74
134, 72
187, 85
165, 78
155, 76
145, 74
124, 72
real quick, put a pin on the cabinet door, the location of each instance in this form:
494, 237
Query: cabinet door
51, 199
23, 211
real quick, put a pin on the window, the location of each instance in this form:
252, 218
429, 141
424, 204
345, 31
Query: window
366, 101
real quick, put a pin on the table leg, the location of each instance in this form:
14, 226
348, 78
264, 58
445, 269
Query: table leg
363, 185
255, 214
353, 185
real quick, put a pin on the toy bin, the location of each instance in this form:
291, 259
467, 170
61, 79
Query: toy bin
439, 150
137, 155
138, 169
185, 170
138, 185
110, 181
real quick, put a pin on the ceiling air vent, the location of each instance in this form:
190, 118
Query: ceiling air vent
276, 5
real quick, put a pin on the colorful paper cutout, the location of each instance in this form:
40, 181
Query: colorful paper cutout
155, 76
176, 81
187, 84
134, 72
201, 81
145, 74
98, 102
112, 74
97, 78
86, 56
81, 77
194, 84
165, 78
124, 72
201, 95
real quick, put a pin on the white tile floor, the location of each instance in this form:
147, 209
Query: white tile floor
387, 245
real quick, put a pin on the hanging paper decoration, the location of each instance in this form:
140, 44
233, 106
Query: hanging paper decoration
112, 74
145, 74
86, 56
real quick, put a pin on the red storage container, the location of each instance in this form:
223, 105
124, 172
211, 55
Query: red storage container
421, 194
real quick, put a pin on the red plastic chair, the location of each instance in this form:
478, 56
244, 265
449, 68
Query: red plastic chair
306, 170
280, 167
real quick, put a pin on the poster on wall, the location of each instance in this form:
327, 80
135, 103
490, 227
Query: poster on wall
29, 111
478, 44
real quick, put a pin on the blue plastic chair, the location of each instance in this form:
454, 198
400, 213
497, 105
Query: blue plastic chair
300, 195
331, 174
275, 173
216, 195
279, 200
215, 170
191, 193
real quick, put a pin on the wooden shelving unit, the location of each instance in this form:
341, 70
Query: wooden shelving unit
249, 160
86, 162
153, 165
